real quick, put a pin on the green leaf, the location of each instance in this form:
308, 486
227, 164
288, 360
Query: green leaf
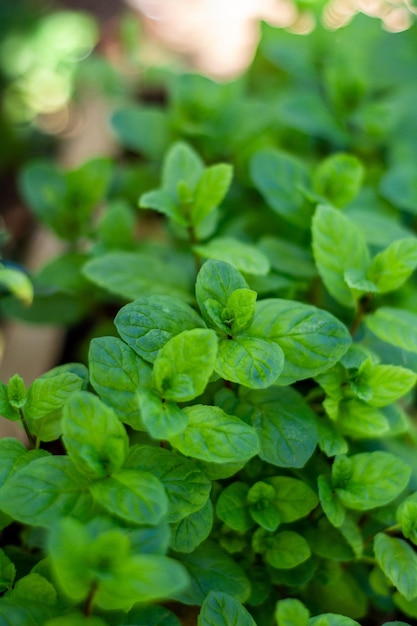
12, 451
143, 129
398, 561
149, 322
152, 614
359, 420
286, 550
242, 256
133, 495
240, 309
212, 569
285, 424
330, 503
338, 178
44, 491
185, 364
291, 612
210, 191
212, 435
117, 372
294, 499
75, 619
311, 339
395, 326
122, 273
50, 392
221, 609
95, 439
16, 392
369, 479
281, 179
331, 442
387, 383
332, 619
116, 228
6, 408
33, 588
161, 419
262, 506
160, 200
32, 614
398, 186
185, 483
288, 258
192, 530
249, 361
216, 281
338, 246
181, 163
44, 188
7, 572
407, 517
233, 508
394, 265
17, 283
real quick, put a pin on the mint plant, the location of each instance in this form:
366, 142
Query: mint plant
241, 438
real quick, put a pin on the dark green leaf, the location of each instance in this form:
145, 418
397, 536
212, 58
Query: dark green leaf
221, 609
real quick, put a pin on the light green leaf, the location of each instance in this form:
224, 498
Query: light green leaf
221, 609
149, 322
339, 178
285, 424
233, 508
181, 163
160, 200
192, 530
116, 373
398, 186
369, 479
212, 435
6, 409
286, 550
212, 569
161, 419
249, 361
132, 495
210, 191
330, 503
185, 483
331, 442
16, 392
395, 326
33, 588
338, 245
185, 364
294, 499
281, 179
75, 619
240, 309
407, 517
142, 129
151, 614
49, 393
291, 612
288, 258
17, 283
394, 265
398, 561
44, 491
95, 439
387, 383
242, 256
311, 339
216, 281
359, 420
332, 619
7, 572
133, 274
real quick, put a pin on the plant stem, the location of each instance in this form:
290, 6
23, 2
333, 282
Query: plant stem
88, 605
193, 241
29, 435
361, 310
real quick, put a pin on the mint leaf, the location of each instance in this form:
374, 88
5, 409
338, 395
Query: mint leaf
398, 561
117, 372
185, 483
386, 382
339, 178
192, 530
185, 364
210, 191
7, 410
11, 453
395, 326
232, 507
7, 572
143, 129
294, 499
282, 179
152, 614
95, 439
162, 419
16, 392
262, 506
212, 435
242, 256
50, 392
212, 569
394, 265
252, 362
330, 503
358, 419
149, 322
338, 246
332, 619
287, 257
122, 273
291, 612
286, 550
221, 609
181, 163
33, 588
133, 495
312, 340
44, 491
285, 425
371, 479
